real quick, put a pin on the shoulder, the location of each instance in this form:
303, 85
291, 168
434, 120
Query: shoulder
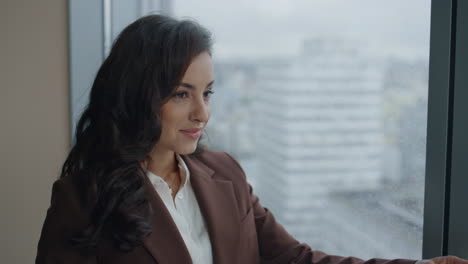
65, 202
64, 189
64, 218
221, 166
65, 196
218, 161
226, 168
66, 214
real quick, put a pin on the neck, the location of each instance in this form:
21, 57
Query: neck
162, 164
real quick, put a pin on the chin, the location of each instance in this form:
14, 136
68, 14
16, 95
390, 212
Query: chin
186, 150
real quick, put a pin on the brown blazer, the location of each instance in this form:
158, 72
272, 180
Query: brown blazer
240, 229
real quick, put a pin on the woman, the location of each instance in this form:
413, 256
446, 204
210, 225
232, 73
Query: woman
137, 187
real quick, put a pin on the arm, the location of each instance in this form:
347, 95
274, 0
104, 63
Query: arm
64, 217
444, 260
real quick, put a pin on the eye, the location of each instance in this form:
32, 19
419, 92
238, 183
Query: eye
208, 94
181, 95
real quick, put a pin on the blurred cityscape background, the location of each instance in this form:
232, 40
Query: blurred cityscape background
324, 104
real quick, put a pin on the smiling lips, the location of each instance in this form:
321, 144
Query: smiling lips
193, 133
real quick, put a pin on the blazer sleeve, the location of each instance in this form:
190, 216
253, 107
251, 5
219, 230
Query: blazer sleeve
276, 245
64, 217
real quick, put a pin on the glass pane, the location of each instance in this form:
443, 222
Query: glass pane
324, 103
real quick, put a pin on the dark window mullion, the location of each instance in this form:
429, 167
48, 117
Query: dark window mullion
458, 215
438, 130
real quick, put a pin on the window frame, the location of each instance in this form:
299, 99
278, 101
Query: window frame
444, 211
457, 237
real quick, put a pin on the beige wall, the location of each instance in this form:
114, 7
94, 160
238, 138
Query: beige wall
34, 118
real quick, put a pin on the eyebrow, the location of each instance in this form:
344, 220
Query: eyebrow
189, 86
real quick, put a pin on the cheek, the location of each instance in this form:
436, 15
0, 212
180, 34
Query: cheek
172, 118
168, 125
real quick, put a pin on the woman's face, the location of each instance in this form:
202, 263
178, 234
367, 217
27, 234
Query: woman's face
187, 112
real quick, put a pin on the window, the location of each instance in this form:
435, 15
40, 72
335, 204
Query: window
326, 105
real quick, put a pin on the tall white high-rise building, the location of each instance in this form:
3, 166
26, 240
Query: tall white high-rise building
319, 131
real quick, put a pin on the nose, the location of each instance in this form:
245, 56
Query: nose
200, 111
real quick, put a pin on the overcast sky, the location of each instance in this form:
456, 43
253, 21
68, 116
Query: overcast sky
246, 28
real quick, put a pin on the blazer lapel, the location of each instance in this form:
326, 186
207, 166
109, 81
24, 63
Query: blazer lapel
218, 204
165, 243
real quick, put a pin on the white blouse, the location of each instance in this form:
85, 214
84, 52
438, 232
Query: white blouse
186, 214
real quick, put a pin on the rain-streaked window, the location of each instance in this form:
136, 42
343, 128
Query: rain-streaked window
324, 104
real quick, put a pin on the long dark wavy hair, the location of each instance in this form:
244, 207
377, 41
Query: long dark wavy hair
121, 124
